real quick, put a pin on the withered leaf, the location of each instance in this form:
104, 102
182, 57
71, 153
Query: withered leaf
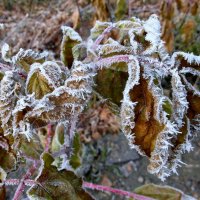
147, 127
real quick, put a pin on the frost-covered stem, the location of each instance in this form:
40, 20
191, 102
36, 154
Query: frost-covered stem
48, 138
115, 191
102, 62
73, 126
100, 37
21, 186
27, 182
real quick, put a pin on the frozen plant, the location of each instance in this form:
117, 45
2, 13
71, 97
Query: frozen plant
37, 94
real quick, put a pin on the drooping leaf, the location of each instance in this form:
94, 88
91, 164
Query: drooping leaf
162, 192
54, 184
70, 39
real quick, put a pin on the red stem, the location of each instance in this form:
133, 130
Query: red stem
100, 37
48, 139
21, 186
115, 191
107, 62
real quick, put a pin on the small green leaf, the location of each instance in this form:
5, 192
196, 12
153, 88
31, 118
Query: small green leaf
54, 184
75, 160
70, 39
167, 107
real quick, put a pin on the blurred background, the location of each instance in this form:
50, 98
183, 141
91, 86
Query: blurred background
106, 156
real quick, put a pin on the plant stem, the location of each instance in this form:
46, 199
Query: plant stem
27, 182
21, 186
100, 37
48, 139
115, 191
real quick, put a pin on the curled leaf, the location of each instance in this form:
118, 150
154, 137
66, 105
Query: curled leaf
70, 39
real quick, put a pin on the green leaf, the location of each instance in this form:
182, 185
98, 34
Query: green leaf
75, 160
79, 52
110, 84
58, 141
54, 184
161, 192
43, 78
31, 149
7, 159
58, 138
98, 29
70, 39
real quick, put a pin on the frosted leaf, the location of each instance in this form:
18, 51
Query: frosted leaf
179, 94
56, 184
194, 72
25, 58
64, 100
5, 53
7, 101
43, 78
2, 26
98, 29
70, 39
153, 29
114, 49
189, 60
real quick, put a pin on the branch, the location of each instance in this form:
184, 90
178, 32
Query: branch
115, 191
